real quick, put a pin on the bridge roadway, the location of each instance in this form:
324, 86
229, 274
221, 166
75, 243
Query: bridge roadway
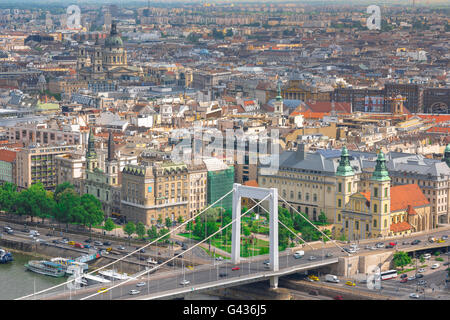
207, 277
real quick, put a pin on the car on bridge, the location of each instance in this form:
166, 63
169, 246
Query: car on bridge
313, 278
444, 237
140, 284
133, 292
184, 282
102, 290
350, 283
338, 297
414, 242
414, 296
235, 268
312, 258
328, 255
440, 241
121, 247
223, 274
380, 245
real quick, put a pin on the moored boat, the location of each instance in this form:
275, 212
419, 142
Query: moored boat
5, 256
47, 268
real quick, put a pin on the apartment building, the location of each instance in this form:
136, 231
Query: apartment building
39, 164
155, 191
42, 134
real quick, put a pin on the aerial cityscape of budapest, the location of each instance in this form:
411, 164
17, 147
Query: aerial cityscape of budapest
223, 155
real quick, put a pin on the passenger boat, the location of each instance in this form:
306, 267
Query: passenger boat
47, 268
70, 265
5, 256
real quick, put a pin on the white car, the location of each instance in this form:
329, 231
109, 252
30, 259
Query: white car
411, 278
435, 266
133, 292
140, 284
414, 295
373, 248
184, 282
312, 258
421, 270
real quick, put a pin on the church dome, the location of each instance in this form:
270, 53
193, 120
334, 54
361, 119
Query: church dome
114, 40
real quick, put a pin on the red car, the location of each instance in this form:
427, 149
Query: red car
235, 268
338, 298
404, 280
78, 245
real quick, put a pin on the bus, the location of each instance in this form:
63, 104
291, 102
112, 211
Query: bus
385, 275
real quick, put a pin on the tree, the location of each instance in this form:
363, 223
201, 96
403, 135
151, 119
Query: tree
229, 33
152, 232
180, 219
401, 259
35, 202
421, 258
140, 229
190, 226
109, 224
60, 188
164, 231
68, 208
92, 210
8, 197
323, 218
159, 220
129, 229
168, 222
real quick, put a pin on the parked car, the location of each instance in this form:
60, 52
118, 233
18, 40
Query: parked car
414, 296
404, 280
404, 276
421, 270
435, 266
411, 278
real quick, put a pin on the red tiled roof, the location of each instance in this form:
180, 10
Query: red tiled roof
408, 194
400, 226
439, 129
8, 156
251, 183
326, 106
404, 196
411, 211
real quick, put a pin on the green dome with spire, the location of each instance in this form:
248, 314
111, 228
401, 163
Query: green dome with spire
381, 173
446, 158
344, 168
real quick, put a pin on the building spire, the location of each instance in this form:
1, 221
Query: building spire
91, 146
447, 155
279, 97
344, 168
111, 152
381, 173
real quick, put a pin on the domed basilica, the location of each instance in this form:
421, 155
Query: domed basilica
107, 61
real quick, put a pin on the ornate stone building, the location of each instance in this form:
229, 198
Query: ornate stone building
106, 61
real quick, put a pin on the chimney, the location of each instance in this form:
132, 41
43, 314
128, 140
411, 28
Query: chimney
300, 154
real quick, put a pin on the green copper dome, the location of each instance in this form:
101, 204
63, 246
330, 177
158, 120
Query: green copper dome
381, 173
447, 155
344, 168
114, 40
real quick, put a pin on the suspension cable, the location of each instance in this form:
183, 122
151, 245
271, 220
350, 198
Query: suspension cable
133, 252
181, 253
295, 210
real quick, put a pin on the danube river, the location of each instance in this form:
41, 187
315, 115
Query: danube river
16, 281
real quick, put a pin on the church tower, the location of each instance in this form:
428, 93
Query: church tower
380, 198
345, 187
278, 104
111, 164
447, 155
91, 155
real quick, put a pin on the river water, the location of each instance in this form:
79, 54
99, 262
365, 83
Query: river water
16, 281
